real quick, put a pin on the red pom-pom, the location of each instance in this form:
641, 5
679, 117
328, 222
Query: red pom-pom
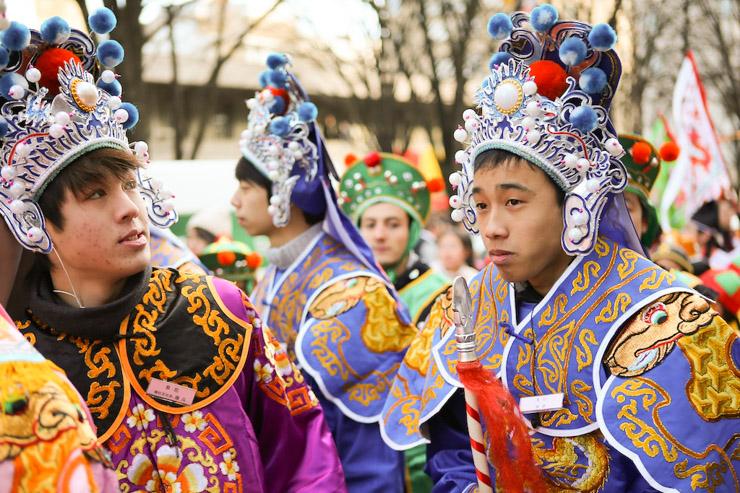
549, 77
669, 151
226, 258
436, 184
641, 152
49, 63
373, 159
349, 159
254, 260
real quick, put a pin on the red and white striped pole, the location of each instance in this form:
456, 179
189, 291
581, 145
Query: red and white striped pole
465, 337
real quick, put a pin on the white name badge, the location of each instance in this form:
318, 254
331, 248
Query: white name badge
170, 391
541, 403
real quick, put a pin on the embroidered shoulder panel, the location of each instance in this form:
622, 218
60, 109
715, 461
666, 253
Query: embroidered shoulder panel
678, 415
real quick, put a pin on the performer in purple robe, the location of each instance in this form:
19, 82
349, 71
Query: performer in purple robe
187, 388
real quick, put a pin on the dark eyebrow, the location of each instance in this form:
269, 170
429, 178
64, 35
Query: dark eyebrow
506, 186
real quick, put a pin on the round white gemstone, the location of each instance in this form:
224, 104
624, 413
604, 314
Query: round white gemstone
33, 74
460, 135
506, 97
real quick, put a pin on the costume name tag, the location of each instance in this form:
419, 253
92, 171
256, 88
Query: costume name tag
541, 403
172, 392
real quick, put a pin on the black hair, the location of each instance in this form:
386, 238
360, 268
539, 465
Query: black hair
493, 158
247, 171
464, 238
204, 235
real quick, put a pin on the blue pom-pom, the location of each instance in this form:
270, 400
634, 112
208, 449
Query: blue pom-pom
55, 30
572, 51
133, 115
583, 118
4, 127
278, 78
16, 37
276, 60
278, 106
500, 26
308, 111
113, 88
280, 126
4, 57
9, 80
264, 78
498, 58
110, 53
543, 17
102, 21
592, 80
602, 37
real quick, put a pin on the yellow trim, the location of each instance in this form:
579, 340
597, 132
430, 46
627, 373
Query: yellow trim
126, 395
208, 400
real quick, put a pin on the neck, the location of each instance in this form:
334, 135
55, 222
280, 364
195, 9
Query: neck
295, 227
545, 281
90, 291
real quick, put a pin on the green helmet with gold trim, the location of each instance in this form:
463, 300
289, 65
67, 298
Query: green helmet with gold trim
386, 178
643, 165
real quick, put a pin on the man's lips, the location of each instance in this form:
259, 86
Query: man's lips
499, 256
134, 238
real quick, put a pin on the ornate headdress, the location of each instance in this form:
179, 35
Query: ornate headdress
278, 139
546, 100
55, 111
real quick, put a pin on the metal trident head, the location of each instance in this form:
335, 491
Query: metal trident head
462, 307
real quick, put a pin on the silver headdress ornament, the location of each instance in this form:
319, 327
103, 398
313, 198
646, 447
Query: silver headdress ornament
546, 100
56, 112
277, 139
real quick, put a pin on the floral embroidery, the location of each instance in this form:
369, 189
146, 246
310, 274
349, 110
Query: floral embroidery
194, 421
263, 373
167, 476
140, 417
229, 467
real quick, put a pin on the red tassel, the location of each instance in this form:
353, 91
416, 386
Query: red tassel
516, 472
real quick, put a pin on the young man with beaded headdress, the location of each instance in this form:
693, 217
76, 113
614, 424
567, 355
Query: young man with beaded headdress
186, 387
389, 201
324, 294
626, 378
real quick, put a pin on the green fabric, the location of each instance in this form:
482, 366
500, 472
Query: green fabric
416, 458
651, 214
420, 292
729, 281
641, 180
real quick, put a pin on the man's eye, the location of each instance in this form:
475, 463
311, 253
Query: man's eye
481, 207
130, 185
513, 202
96, 194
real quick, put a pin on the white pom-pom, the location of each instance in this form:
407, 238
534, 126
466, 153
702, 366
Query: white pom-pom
455, 179
251, 103
570, 160
167, 206
274, 200
16, 190
297, 155
267, 96
575, 234
457, 215
529, 88
583, 164
88, 93
16, 92
294, 146
56, 131
141, 148
593, 185
533, 109
35, 234
460, 135
8, 172
114, 102
579, 218
17, 207
272, 210
33, 74
273, 175
108, 76
533, 136
120, 115
613, 147
460, 156
472, 125
62, 118
454, 201
528, 122
469, 114
247, 135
